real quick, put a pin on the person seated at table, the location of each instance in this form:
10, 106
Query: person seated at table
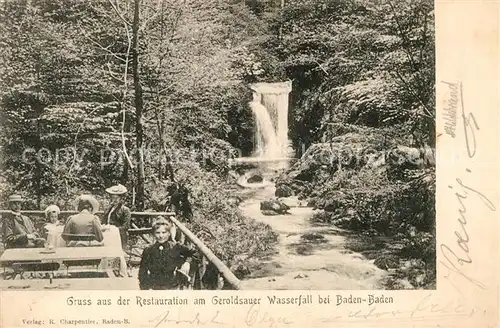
52, 215
51, 218
18, 230
84, 228
165, 264
118, 214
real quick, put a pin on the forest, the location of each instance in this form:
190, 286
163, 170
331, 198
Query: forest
152, 93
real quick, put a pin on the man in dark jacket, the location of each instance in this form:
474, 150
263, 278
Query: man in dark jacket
18, 230
118, 214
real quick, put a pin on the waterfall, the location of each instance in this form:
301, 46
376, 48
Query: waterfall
267, 145
272, 147
270, 109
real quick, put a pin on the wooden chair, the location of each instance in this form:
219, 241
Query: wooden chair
68, 237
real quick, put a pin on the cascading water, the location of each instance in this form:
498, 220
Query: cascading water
270, 110
267, 146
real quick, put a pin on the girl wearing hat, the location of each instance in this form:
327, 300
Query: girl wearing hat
52, 215
118, 214
52, 218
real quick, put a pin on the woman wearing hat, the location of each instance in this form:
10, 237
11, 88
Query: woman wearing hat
85, 223
118, 214
18, 230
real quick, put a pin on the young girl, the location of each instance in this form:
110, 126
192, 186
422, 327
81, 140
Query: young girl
165, 263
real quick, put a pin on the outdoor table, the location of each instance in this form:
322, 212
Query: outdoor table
71, 284
104, 253
111, 239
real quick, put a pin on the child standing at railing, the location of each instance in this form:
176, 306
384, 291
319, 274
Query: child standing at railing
165, 264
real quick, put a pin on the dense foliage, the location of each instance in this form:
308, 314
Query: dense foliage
97, 92
71, 120
364, 109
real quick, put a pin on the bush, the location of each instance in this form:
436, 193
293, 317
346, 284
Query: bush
401, 206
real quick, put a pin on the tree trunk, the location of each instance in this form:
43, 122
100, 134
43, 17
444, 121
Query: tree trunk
38, 106
160, 144
126, 174
138, 108
169, 171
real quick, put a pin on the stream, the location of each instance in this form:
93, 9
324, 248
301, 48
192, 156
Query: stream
320, 262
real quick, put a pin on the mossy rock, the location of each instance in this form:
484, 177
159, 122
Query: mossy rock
274, 205
312, 236
240, 270
386, 262
304, 249
283, 191
255, 179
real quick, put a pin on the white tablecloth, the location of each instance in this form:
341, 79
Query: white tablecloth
111, 239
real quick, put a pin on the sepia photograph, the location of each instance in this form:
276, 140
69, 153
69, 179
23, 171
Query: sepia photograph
219, 145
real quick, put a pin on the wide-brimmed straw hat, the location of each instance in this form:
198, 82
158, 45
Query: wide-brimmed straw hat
15, 198
117, 190
91, 200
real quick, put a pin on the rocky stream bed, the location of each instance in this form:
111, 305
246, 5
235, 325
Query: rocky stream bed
310, 256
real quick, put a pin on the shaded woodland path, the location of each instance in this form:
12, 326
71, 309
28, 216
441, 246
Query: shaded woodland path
317, 263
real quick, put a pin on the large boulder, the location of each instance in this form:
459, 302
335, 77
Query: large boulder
400, 159
274, 205
255, 178
313, 236
283, 191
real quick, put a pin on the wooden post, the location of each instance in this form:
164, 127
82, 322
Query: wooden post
139, 107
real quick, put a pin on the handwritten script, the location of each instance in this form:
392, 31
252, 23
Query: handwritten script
450, 109
426, 308
168, 318
457, 257
254, 318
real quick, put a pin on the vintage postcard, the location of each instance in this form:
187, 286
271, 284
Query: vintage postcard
257, 163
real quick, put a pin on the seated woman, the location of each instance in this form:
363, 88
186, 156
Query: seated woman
165, 264
84, 228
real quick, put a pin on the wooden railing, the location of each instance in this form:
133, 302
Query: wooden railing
221, 267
